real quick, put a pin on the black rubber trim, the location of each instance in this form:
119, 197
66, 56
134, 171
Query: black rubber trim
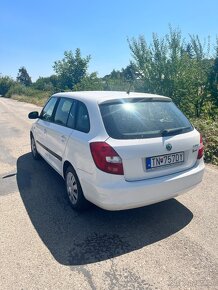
50, 151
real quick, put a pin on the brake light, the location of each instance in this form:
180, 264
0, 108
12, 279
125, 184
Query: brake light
201, 148
106, 158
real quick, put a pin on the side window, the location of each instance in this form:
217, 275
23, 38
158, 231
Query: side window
72, 116
47, 111
82, 120
62, 111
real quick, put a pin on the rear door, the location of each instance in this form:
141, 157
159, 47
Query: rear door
152, 137
78, 150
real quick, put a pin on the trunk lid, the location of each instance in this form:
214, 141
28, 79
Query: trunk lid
134, 153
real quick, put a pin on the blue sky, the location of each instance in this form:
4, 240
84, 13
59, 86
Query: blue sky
36, 33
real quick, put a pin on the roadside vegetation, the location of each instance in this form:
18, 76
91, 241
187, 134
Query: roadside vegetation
209, 131
184, 69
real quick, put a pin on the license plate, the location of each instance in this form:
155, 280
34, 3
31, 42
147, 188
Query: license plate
164, 160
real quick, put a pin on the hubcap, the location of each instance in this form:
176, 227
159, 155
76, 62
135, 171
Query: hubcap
72, 189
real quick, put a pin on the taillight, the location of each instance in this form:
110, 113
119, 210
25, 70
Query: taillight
106, 158
201, 148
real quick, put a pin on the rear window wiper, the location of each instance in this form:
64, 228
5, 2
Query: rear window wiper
166, 132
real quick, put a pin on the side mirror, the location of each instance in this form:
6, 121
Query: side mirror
33, 115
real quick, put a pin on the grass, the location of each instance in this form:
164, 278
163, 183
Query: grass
40, 100
28, 94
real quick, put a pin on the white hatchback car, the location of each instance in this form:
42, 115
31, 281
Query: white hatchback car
118, 150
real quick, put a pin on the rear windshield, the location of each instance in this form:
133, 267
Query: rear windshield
143, 119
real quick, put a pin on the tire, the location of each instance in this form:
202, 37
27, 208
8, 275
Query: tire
74, 190
34, 151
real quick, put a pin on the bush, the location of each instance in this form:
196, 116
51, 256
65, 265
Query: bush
209, 131
19, 89
47, 84
28, 94
89, 83
5, 84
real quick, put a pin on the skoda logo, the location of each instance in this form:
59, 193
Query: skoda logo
168, 146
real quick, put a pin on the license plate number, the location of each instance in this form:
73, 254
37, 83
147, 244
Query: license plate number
164, 160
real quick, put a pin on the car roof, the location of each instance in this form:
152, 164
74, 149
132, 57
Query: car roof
105, 96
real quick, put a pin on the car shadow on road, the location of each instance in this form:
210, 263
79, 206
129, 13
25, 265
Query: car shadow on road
95, 235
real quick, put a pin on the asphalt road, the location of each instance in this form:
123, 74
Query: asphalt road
44, 244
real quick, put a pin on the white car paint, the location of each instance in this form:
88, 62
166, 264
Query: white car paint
137, 186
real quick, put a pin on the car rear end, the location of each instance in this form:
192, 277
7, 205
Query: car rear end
152, 153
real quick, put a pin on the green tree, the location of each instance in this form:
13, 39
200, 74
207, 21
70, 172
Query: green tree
47, 83
213, 78
71, 69
174, 67
23, 77
150, 61
129, 73
5, 84
122, 80
89, 83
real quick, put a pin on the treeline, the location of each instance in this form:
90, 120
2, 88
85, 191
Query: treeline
184, 69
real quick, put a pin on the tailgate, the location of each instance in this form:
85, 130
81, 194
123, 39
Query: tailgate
149, 158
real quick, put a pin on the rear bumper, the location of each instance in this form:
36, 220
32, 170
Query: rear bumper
121, 194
